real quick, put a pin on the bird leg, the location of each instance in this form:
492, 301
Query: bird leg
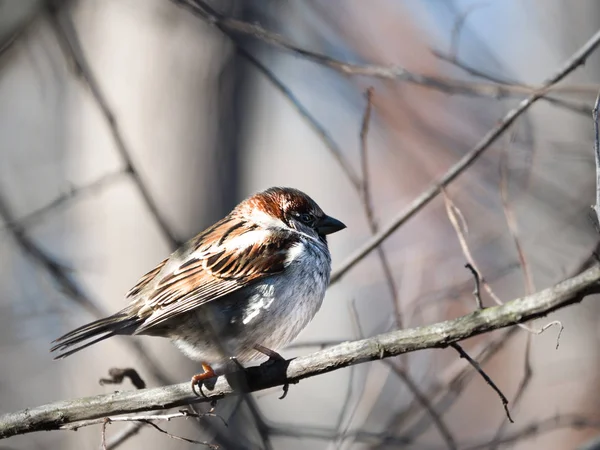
200, 377
273, 357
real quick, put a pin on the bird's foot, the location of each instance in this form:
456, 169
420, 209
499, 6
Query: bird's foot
200, 378
273, 358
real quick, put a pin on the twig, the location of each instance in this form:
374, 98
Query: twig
69, 196
312, 122
485, 376
69, 43
47, 262
453, 211
367, 202
430, 193
420, 397
232, 27
364, 160
447, 389
123, 435
105, 422
439, 335
576, 107
476, 291
596, 207
527, 376
357, 334
369, 212
180, 438
511, 221
139, 418
300, 108
452, 58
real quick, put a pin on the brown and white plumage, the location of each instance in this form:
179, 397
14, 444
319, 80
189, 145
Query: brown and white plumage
256, 277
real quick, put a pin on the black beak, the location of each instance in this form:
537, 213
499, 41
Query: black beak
328, 225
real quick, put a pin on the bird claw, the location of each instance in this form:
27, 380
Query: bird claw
274, 357
200, 378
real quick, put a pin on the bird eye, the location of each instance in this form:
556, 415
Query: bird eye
306, 218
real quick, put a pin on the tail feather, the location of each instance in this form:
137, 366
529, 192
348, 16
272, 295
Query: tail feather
121, 323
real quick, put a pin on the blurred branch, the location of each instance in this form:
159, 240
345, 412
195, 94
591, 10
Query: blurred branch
231, 26
367, 202
439, 335
71, 47
422, 399
47, 262
465, 162
70, 195
543, 426
391, 441
447, 389
365, 194
573, 106
319, 129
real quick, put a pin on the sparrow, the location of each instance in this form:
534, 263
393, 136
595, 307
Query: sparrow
243, 288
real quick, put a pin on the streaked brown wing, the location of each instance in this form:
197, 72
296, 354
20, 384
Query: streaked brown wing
145, 280
226, 258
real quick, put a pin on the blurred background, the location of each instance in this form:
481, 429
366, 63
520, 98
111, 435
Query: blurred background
127, 126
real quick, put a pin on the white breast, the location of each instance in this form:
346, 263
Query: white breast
284, 304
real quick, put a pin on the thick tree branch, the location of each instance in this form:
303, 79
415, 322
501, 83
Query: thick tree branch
440, 335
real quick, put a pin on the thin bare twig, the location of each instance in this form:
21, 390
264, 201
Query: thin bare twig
140, 418
453, 211
527, 376
476, 290
511, 221
367, 202
47, 262
596, 207
180, 438
123, 435
364, 160
450, 384
419, 396
69, 43
104, 422
394, 343
312, 122
70, 195
459, 167
485, 376
570, 105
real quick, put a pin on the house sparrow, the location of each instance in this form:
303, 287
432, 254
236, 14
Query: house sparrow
244, 287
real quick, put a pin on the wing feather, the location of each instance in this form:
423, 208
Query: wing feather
212, 268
